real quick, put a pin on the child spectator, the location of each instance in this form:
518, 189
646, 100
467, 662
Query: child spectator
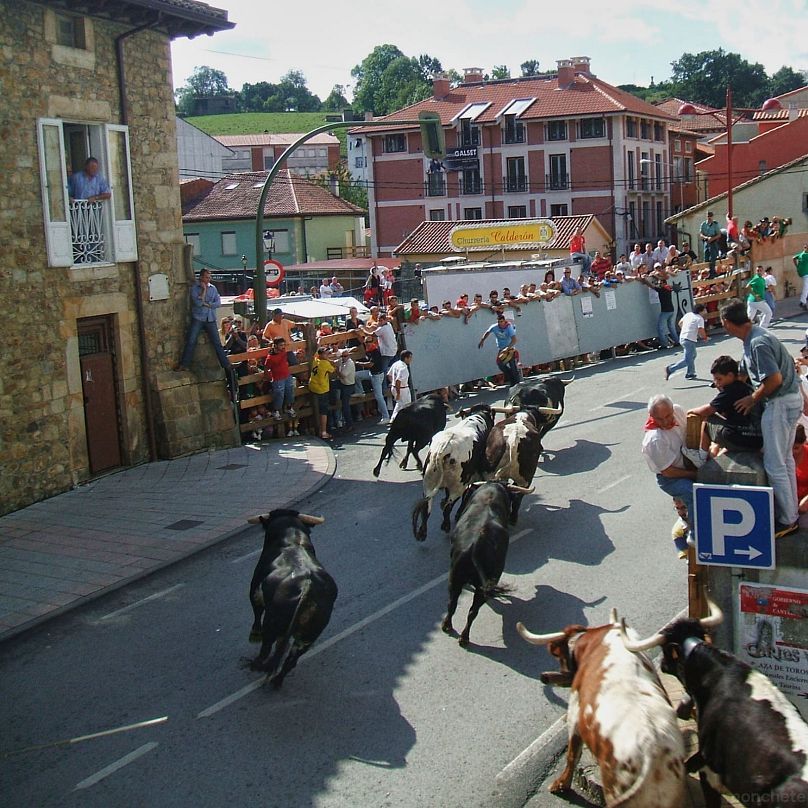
801, 468
722, 424
680, 532
276, 371
320, 385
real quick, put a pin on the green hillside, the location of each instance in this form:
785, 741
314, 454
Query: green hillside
254, 123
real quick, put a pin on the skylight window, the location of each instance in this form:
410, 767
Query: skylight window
231, 187
472, 111
516, 107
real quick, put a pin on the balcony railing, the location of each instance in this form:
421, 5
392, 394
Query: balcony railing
515, 183
435, 185
515, 134
89, 232
469, 187
557, 182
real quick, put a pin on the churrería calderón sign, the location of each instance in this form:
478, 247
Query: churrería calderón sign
502, 234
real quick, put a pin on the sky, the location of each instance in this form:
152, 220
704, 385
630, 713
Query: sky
628, 41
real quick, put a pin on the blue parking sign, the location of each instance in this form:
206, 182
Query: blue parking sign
734, 525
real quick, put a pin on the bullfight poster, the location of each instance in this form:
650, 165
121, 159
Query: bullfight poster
773, 636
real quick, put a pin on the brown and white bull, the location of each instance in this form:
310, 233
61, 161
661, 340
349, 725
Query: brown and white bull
620, 710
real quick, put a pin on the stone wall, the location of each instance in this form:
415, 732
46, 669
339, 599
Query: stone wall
43, 442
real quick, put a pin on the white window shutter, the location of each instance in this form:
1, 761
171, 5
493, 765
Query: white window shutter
124, 235
53, 179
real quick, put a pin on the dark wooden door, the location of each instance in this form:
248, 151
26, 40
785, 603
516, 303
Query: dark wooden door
101, 412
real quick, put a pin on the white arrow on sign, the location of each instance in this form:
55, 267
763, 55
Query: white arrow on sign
752, 552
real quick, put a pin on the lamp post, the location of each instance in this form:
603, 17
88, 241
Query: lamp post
689, 109
243, 284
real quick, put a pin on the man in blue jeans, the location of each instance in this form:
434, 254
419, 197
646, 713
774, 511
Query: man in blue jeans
204, 302
692, 329
659, 281
505, 334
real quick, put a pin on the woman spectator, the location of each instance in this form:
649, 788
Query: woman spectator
352, 324
373, 291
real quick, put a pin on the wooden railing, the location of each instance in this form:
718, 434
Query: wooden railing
727, 273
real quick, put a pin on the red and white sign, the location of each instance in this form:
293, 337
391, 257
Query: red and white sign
274, 271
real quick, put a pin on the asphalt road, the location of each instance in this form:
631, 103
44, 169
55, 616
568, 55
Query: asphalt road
385, 710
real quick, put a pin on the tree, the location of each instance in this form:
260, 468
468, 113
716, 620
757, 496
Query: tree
204, 82
500, 72
296, 96
784, 81
703, 77
336, 100
387, 80
430, 66
351, 190
530, 68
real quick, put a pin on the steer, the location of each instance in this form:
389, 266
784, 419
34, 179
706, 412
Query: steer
479, 547
546, 394
751, 738
415, 423
620, 710
455, 460
290, 590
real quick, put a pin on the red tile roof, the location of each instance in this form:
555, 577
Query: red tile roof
276, 139
694, 123
779, 114
236, 197
433, 237
586, 95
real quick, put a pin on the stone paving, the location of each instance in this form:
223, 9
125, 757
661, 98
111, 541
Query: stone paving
66, 550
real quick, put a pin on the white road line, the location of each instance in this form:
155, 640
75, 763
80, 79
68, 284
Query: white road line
118, 764
612, 485
137, 603
245, 557
624, 397
548, 737
318, 649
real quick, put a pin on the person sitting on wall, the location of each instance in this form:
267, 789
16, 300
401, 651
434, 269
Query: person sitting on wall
578, 251
204, 302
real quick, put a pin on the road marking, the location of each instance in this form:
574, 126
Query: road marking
137, 603
546, 742
249, 555
612, 485
318, 649
118, 764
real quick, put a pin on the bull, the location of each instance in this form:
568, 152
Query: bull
415, 423
752, 740
291, 593
455, 460
620, 710
479, 547
546, 394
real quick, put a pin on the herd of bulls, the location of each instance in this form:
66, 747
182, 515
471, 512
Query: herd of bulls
751, 739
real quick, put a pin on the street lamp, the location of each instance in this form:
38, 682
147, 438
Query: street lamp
243, 284
768, 106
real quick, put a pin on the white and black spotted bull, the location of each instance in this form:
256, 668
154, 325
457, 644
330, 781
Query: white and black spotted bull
291, 593
752, 740
415, 423
455, 460
546, 395
620, 710
480, 541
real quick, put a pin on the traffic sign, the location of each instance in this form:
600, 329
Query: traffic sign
273, 271
734, 525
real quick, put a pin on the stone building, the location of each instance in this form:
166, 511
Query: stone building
95, 291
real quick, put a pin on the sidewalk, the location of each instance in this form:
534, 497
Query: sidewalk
62, 552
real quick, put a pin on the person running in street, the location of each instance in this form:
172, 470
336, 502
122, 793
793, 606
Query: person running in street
399, 376
691, 329
505, 334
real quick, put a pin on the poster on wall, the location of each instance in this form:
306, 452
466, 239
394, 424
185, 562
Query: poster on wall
773, 636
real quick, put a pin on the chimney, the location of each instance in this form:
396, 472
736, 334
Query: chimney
368, 114
566, 72
333, 183
580, 64
440, 86
472, 75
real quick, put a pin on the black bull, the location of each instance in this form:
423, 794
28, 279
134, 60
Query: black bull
544, 392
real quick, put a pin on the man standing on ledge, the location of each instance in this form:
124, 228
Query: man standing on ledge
88, 184
771, 372
505, 335
801, 263
578, 250
709, 233
204, 302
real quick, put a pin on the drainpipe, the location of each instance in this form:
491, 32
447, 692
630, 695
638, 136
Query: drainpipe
305, 241
144, 360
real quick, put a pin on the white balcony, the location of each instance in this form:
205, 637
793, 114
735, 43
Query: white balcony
89, 232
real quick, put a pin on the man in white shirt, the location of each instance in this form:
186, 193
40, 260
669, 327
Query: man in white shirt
661, 252
399, 377
636, 259
691, 329
325, 289
662, 446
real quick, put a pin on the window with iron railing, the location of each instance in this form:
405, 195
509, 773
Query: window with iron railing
470, 182
557, 179
515, 179
469, 134
593, 127
631, 177
645, 130
557, 130
557, 182
514, 130
435, 184
631, 127
394, 143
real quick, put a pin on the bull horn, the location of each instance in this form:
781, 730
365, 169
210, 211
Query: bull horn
714, 616
539, 639
635, 646
613, 616
565, 382
256, 520
550, 410
504, 410
308, 519
518, 489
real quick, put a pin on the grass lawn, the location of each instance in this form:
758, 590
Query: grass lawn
254, 123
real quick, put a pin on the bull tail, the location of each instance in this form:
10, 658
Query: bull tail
496, 590
644, 775
420, 515
285, 645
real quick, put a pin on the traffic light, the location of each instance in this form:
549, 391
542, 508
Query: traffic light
433, 141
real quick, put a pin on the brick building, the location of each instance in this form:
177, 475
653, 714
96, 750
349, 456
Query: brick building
317, 155
557, 145
97, 290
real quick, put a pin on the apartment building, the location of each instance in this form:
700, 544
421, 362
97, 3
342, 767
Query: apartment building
556, 145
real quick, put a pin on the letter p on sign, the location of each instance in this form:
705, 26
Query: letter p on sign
729, 517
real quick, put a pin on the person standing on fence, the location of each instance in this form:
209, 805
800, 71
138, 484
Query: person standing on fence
756, 299
801, 263
691, 330
710, 233
399, 376
204, 302
505, 334
771, 372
